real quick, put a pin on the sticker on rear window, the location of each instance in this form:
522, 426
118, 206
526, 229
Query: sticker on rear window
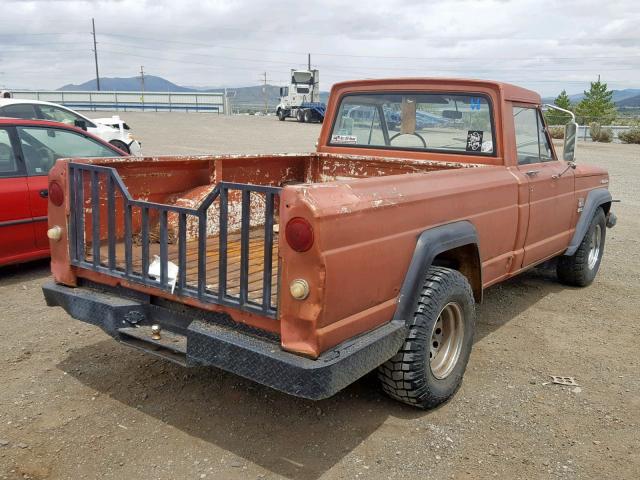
344, 139
474, 140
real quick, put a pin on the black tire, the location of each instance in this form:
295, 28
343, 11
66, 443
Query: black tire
409, 376
581, 268
281, 115
308, 116
300, 116
121, 145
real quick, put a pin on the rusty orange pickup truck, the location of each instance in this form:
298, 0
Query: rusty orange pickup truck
304, 272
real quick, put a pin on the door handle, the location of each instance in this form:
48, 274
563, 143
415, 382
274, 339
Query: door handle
44, 193
532, 173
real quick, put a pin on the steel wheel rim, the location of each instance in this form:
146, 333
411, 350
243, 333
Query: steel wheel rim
446, 340
594, 247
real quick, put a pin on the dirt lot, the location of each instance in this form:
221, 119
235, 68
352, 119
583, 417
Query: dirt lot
75, 404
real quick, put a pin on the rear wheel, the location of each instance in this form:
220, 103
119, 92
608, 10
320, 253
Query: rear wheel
300, 116
581, 268
121, 145
308, 116
429, 367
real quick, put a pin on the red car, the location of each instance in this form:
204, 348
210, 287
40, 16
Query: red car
28, 149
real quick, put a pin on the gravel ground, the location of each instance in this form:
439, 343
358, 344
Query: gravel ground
75, 404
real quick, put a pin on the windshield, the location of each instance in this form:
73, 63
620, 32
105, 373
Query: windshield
452, 123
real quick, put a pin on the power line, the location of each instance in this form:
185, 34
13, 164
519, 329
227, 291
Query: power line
391, 57
279, 62
359, 69
174, 60
209, 45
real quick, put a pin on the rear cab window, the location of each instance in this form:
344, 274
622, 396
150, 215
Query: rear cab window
457, 123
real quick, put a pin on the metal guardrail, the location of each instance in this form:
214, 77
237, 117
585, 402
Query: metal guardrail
137, 100
117, 191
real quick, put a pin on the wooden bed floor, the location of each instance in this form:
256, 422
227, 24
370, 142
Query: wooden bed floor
256, 262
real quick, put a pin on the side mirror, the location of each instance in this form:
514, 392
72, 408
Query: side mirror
80, 124
570, 141
281, 92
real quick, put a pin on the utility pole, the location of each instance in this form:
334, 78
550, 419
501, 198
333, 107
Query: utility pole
265, 94
142, 84
95, 52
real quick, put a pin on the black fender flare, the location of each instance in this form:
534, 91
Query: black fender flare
595, 198
431, 243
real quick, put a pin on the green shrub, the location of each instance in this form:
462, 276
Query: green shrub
630, 136
556, 132
606, 135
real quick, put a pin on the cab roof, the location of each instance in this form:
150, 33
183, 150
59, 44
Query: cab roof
506, 90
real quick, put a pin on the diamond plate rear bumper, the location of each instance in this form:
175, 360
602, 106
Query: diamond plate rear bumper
215, 340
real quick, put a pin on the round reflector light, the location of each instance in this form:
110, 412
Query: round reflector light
56, 194
299, 234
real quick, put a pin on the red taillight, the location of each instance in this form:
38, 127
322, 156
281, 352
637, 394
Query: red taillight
56, 194
299, 234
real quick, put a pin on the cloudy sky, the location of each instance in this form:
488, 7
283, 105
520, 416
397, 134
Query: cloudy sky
541, 44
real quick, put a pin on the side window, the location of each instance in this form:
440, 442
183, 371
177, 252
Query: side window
19, 110
43, 146
56, 114
8, 164
531, 140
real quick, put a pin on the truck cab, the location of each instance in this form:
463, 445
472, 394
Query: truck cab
306, 271
301, 99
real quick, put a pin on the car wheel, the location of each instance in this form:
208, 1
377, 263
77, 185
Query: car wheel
429, 367
281, 115
121, 145
580, 269
300, 116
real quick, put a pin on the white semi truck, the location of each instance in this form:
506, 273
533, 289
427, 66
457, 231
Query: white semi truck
301, 99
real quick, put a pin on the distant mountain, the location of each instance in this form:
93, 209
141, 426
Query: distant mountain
151, 84
629, 102
618, 96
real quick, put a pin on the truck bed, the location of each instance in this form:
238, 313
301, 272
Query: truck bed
178, 208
